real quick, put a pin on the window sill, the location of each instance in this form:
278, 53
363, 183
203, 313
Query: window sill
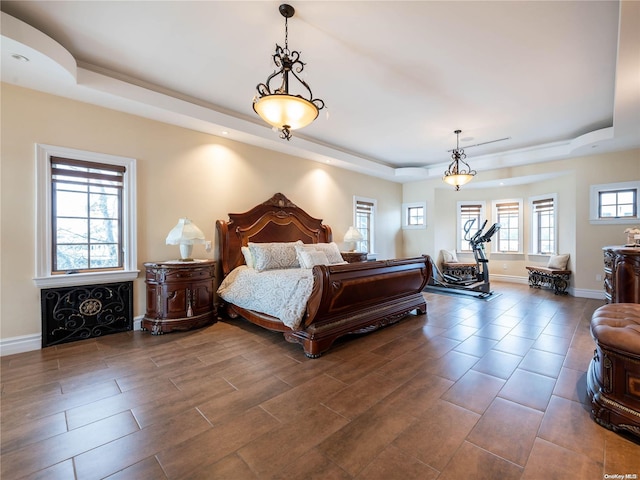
75, 279
613, 221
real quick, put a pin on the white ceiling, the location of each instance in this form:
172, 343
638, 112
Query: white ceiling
556, 78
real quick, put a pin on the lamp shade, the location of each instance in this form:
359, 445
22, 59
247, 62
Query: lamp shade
280, 110
185, 234
457, 179
353, 235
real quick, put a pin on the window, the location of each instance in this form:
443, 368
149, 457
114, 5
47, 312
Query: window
86, 217
468, 211
508, 213
617, 203
543, 224
614, 203
414, 215
365, 211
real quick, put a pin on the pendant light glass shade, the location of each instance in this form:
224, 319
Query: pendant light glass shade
280, 110
457, 180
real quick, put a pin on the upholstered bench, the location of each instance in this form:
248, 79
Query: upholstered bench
452, 266
613, 379
549, 277
555, 274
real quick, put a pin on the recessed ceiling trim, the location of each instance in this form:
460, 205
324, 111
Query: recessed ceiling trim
36, 41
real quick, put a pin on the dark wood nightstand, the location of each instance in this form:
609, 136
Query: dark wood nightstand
353, 257
179, 295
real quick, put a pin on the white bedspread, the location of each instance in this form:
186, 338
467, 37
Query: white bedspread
280, 293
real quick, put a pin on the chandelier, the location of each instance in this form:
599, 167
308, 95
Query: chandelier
278, 107
459, 171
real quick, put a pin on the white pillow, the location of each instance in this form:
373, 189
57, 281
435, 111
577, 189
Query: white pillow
324, 249
449, 256
274, 256
331, 250
300, 249
248, 259
558, 262
309, 258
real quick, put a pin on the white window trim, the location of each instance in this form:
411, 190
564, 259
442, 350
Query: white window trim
43, 277
594, 196
494, 210
459, 225
405, 216
373, 219
533, 234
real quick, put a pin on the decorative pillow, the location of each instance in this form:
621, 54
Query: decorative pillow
248, 259
274, 256
309, 258
301, 248
449, 256
558, 262
331, 250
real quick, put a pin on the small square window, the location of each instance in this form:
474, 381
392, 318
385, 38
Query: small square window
614, 203
414, 215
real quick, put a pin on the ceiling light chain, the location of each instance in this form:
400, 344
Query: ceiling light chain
459, 171
278, 107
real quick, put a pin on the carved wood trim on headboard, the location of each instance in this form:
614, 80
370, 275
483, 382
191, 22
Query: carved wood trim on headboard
276, 220
279, 201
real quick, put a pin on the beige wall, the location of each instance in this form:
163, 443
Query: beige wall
180, 173
186, 173
576, 235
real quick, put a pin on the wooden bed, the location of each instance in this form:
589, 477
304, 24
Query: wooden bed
345, 299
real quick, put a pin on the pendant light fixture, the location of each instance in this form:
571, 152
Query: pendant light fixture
459, 171
279, 107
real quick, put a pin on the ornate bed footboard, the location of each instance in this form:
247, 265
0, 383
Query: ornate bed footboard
359, 298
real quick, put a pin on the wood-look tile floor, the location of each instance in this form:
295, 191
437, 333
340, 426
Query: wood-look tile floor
473, 389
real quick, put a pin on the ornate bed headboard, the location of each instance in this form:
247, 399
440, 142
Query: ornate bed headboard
276, 220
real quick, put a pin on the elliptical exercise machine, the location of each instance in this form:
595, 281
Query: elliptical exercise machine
478, 283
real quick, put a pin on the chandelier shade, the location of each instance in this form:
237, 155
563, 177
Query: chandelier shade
280, 110
459, 172
276, 105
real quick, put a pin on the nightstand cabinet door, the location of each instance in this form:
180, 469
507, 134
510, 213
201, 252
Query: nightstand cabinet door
179, 296
202, 297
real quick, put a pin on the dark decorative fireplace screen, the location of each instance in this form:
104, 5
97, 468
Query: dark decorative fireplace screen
87, 311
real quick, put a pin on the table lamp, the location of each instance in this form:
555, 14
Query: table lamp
352, 237
185, 234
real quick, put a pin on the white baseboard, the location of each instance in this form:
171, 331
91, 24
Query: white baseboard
509, 279
585, 293
23, 343
28, 343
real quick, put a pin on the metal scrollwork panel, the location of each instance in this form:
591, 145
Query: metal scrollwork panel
77, 313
